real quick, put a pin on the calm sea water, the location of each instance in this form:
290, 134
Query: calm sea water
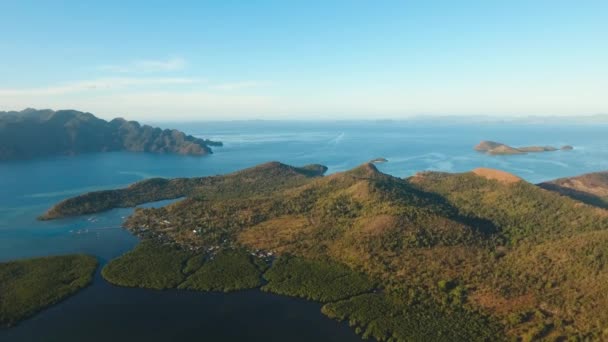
103, 312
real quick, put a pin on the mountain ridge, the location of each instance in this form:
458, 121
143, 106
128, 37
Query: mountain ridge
71, 132
590, 188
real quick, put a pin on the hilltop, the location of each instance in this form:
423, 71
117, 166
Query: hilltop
484, 252
591, 188
496, 148
70, 132
497, 175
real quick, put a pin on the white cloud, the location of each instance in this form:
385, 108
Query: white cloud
238, 85
147, 66
150, 104
168, 98
99, 84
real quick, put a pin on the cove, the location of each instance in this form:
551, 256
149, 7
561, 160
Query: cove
104, 312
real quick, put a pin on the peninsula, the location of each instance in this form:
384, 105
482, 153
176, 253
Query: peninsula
70, 132
437, 256
496, 148
261, 179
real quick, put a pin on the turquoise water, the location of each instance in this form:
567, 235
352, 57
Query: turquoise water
28, 188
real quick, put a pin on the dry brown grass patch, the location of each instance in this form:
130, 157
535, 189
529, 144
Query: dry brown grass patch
377, 225
497, 175
500, 305
276, 233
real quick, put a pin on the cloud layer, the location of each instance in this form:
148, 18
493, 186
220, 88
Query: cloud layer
157, 90
147, 66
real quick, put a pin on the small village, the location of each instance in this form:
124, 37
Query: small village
159, 230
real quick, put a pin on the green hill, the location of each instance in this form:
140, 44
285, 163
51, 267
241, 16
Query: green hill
481, 254
552, 268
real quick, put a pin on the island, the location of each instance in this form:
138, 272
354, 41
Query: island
70, 132
473, 256
496, 148
28, 286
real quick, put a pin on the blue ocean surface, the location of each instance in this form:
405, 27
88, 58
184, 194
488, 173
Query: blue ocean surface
103, 312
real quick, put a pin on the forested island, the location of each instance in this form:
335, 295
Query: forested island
37, 133
28, 286
496, 148
480, 255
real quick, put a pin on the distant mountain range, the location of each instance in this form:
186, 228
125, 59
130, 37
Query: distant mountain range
506, 119
36, 133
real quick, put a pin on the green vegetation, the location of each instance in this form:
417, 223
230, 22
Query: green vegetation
228, 271
319, 280
521, 210
255, 181
554, 256
69, 132
164, 266
149, 265
391, 317
590, 188
471, 245
150, 190
27, 286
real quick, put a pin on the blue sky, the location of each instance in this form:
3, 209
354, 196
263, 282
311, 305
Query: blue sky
208, 60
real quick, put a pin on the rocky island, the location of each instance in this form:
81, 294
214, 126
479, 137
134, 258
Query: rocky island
496, 148
70, 132
472, 256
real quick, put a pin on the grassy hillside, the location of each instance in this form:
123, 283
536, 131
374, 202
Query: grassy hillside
590, 188
521, 210
549, 278
27, 286
377, 225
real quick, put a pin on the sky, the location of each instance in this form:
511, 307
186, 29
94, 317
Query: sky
225, 60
